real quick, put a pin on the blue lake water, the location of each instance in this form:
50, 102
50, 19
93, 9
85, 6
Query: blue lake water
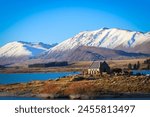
27, 77
144, 72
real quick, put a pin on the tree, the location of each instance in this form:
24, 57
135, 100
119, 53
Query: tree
129, 66
148, 66
134, 66
138, 65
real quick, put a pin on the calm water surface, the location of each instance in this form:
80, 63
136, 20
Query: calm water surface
144, 72
27, 77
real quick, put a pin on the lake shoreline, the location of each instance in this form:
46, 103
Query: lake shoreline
79, 87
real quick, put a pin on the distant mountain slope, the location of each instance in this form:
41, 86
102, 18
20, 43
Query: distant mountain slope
142, 48
20, 51
107, 38
86, 53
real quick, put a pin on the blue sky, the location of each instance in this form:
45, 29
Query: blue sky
52, 21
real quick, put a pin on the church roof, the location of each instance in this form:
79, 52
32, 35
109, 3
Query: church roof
95, 65
98, 64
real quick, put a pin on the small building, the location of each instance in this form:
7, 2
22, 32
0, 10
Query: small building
97, 68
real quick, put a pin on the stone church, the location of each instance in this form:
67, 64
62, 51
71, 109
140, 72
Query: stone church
97, 68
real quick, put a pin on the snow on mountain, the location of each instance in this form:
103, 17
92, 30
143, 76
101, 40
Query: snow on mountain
105, 37
18, 51
39, 44
19, 48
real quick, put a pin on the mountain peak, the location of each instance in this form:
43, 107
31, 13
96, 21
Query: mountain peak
111, 38
104, 28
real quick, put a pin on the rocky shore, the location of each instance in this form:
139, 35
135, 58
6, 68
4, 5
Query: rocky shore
81, 87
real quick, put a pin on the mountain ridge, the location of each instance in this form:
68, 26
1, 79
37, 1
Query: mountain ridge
87, 53
112, 41
105, 37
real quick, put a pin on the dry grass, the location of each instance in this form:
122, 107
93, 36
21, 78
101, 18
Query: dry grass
98, 87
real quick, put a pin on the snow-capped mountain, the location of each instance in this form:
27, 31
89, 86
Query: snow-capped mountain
108, 38
104, 43
136, 43
19, 51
